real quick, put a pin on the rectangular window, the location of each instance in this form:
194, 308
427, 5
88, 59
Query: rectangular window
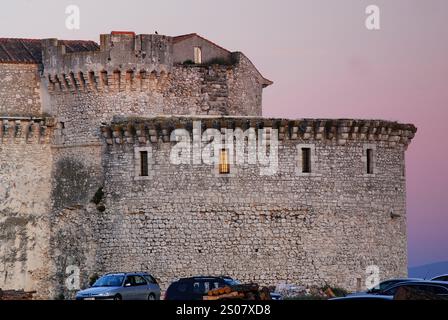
306, 160
369, 155
224, 165
197, 55
144, 163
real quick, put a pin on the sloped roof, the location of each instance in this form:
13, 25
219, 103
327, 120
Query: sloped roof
30, 50
180, 38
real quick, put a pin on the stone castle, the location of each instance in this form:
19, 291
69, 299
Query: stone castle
87, 184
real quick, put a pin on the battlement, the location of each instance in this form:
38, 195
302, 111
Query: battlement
26, 130
106, 81
339, 130
119, 52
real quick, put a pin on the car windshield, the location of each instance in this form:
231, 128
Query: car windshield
388, 284
384, 285
109, 281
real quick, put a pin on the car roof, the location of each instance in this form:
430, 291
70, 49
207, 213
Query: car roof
364, 296
126, 273
403, 279
204, 278
426, 282
441, 275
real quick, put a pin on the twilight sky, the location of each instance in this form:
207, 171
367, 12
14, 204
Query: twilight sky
324, 63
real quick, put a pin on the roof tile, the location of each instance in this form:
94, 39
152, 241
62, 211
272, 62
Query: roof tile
30, 50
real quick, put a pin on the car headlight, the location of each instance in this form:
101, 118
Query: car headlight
104, 294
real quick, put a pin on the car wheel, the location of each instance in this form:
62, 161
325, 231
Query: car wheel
151, 297
117, 297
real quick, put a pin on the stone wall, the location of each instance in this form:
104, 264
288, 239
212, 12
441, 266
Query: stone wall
77, 182
25, 184
245, 87
188, 90
19, 90
324, 227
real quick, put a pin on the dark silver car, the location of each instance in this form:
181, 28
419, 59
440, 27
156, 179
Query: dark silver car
122, 286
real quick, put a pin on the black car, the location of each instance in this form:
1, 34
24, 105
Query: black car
439, 288
195, 288
383, 286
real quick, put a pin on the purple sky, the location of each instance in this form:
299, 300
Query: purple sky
324, 63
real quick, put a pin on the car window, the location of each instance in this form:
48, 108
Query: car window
202, 287
130, 280
432, 289
139, 281
442, 278
386, 284
109, 281
182, 287
423, 287
231, 282
391, 291
150, 279
199, 287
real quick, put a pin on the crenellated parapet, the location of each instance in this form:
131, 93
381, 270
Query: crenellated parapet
341, 131
26, 130
123, 61
105, 81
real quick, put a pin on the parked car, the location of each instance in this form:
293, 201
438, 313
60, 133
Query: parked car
276, 296
195, 288
364, 297
443, 277
439, 288
122, 286
383, 286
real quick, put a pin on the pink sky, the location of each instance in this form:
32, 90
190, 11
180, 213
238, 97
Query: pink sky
324, 63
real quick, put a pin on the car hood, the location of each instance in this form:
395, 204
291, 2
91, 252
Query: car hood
96, 290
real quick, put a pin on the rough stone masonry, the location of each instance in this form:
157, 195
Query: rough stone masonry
86, 178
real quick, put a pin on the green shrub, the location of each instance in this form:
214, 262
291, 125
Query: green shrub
219, 61
98, 196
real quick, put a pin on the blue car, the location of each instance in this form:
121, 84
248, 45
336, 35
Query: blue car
122, 286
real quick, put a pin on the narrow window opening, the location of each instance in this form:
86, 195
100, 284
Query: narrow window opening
369, 161
306, 160
224, 165
144, 163
403, 166
197, 55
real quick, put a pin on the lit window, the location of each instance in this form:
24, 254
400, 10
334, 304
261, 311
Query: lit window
197, 55
224, 166
306, 160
